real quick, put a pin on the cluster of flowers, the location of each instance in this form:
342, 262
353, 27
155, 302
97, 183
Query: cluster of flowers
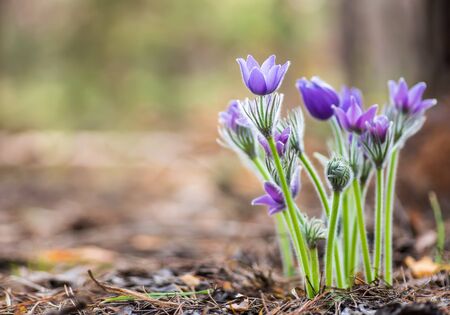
366, 142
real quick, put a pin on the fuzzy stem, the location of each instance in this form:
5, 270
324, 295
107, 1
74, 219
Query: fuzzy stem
390, 192
378, 229
296, 233
287, 258
362, 231
346, 234
320, 189
318, 185
338, 136
332, 225
440, 226
315, 269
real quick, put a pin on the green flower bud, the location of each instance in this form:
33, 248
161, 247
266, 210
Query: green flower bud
314, 231
339, 173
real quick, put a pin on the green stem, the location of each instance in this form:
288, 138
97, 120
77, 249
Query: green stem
318, 185
390, 193
346, 233
362, 231
378, 230
320, 188
285, 247
338, 136
315, 267
332, 224
282, 234
297, 234
353, 258
440, 226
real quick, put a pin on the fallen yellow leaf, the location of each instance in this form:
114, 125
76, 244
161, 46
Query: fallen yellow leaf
424, 267
78, 255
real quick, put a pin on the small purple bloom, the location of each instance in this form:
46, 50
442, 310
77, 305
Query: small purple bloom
274, 198
231, 117
378, 127
264, 79
346, 95
318, 96
354, 119
409, 101
281, 139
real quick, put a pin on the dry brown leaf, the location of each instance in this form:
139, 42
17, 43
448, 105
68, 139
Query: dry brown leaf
190, 280
239, 307
424, 267
78, 255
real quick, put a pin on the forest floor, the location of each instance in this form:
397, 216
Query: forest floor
90, 223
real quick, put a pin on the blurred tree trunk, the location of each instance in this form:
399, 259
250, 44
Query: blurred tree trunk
386, 39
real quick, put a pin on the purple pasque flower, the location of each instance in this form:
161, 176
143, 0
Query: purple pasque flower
354, 119
281, 140
345, 97
378, 127
232, 116
409, 101
274, 198
318, 96
264, 79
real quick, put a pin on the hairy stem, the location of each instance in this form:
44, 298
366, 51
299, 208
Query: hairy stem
332, 225
315, 269
390, 193
378, 229
362, 231
287, 258
296, 233
318, 185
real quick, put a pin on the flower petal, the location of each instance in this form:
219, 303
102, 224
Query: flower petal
264, 200
268, 64
276, 209
354, 112
274, 192
256, 82
251, 63
271, 78
415, 93
342, 117
244, 70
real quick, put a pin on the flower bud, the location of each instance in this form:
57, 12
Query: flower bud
314, 231
339, 173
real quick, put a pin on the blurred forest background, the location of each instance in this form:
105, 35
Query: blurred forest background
100, 100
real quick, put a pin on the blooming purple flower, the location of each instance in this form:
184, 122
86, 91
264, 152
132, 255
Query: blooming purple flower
274, 198
378, 127
264, 79
354, 119
346, 95
318, 97
281, 140
409, 101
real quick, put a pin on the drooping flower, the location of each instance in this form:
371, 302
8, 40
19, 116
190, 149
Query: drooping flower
281, 140
318, 96
409, 101
264, 79
274, 198
345, 97
354, 119
232, 116
235, 132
